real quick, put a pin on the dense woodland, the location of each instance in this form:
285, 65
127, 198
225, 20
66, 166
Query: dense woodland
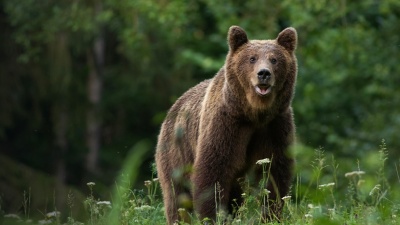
82, 82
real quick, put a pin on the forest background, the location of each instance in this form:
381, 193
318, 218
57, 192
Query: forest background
85, 83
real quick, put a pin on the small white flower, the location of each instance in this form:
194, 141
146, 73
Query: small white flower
286, 198
144, 208
53, 214
308, 215
147, 207
263, 161
90, 184
181, 210
243, 194
322, 186
147, 183
311, 206
266, 192
104, 203
354, 173
14, 216
237, 221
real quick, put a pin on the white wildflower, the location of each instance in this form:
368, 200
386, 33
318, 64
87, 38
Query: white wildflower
14, 216
322, 186
266, 192
147, 207
263, 161
354, 173
104, 203
237, 221
53, 214
147, 183
286, 198
308, 215
144, 208
90, 184
311, 206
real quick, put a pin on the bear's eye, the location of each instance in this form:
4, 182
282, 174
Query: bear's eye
253, 59
273, 61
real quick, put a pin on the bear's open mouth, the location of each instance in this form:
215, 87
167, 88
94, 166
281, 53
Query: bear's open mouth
263, 89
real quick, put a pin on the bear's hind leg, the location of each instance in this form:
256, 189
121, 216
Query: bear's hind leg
177, 203
170, 203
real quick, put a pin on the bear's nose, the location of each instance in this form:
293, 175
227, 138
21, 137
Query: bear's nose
264, 74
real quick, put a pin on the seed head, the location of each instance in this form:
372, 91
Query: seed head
375, 190
263, 161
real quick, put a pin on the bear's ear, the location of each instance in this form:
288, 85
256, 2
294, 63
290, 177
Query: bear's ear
288, 39
236, 38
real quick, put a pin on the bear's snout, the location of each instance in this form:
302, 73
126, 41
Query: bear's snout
263, 75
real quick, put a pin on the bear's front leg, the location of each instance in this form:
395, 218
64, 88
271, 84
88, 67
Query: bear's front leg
211, 189
279, 137
220, 156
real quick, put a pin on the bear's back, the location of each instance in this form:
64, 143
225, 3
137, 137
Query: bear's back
180, 127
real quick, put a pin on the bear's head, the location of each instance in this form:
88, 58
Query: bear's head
263, 70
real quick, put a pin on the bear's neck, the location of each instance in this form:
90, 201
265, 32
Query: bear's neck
236, 102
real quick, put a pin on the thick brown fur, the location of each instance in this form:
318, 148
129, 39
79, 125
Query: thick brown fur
217, 130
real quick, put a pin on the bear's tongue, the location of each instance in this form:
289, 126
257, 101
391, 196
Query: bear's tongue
263, 90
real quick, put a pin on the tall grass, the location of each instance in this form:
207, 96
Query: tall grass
325, 191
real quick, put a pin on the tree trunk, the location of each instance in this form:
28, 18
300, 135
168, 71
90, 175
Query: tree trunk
60, 71
95, 85
62, 148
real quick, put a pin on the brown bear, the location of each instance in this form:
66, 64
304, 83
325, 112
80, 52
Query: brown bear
215, 133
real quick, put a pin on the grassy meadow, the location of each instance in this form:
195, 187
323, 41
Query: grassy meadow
325, 191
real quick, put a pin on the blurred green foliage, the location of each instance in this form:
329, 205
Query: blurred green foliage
347, 99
